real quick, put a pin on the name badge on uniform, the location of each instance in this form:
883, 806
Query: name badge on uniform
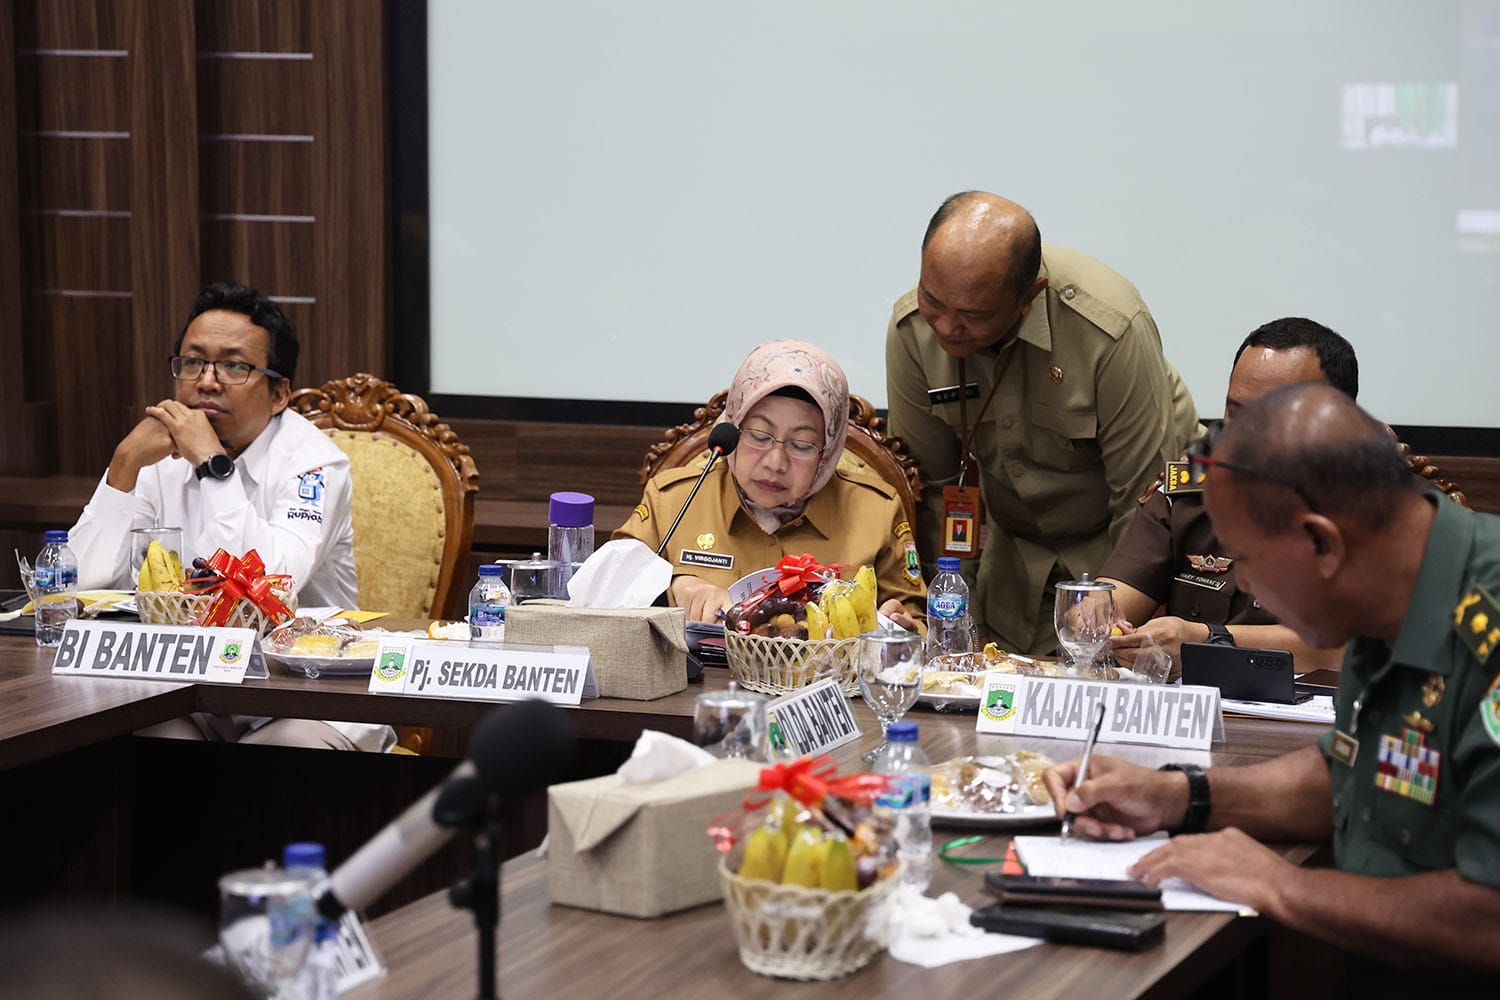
1180, 479
962, 513
1345, 748
951, 393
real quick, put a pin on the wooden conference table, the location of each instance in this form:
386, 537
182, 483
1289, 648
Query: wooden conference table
546, 950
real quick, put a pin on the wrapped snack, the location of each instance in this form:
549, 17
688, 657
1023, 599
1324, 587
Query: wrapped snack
991, 785
779, 609
310, 637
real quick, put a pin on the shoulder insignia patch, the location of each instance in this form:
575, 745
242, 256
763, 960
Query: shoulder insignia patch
1210, 563
641, 512
1476, 621
904, 528
1180, 479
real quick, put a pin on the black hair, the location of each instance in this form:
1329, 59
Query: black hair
795, 392
1335, 354
1313, 436
264, 313
1024, 266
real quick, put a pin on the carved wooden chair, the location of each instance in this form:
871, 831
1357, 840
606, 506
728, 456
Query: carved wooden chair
414, 486
868, 449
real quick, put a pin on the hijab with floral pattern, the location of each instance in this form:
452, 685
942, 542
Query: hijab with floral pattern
782, 364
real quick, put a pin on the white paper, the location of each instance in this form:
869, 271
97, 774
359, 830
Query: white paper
1318, 708
1050, 857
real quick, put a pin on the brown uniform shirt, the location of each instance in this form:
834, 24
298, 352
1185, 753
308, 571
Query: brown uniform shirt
1087, 413
1171, 554
856, 520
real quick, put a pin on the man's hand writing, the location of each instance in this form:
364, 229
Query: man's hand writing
1117, 800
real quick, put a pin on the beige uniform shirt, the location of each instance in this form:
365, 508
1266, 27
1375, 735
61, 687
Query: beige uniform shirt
856, 520
1087, 413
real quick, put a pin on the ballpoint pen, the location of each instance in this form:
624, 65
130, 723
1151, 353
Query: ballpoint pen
1083, 769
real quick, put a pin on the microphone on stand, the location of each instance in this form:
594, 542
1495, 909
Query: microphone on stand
522, 746
721, 441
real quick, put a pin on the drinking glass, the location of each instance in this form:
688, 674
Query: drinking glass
1083, 614
266, 922
532, 579
731, 723
140, 541
890, 676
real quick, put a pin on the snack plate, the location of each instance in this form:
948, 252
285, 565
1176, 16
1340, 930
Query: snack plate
322, 666
950, 702
1032, 815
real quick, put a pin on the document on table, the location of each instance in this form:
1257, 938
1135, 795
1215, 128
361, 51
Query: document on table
1318, 708
1050, 857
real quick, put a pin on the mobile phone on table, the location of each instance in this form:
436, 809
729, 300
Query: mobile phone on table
1319, 681
1033, 890
1101, 928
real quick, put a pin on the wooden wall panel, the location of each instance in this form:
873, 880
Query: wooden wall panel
238, 26
91, 423
276, 257
13, 347
78, 174
78, 24
261, 178
243, 96
58, 265
83, 93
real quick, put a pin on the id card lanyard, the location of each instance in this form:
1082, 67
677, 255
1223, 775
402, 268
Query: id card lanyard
963, 508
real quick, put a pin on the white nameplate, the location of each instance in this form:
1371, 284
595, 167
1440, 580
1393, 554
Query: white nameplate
812, 720
506, 671
180, 653
354, 958
1185, 717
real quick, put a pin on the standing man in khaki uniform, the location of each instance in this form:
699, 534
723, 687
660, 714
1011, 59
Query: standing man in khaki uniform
1048, 364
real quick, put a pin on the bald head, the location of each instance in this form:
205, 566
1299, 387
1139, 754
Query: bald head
1315, 440
981, 257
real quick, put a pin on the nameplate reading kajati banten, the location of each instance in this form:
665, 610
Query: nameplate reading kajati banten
1187, 717
509, 671
184, 654
812, 720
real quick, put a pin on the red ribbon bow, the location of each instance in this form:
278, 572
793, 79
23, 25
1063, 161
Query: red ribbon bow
245, 578
810, 780
801, 571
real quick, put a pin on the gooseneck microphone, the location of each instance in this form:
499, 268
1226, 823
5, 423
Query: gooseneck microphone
721, 441
516, 748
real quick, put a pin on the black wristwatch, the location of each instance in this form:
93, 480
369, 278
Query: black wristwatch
220, 466
1218, 635
1196, 819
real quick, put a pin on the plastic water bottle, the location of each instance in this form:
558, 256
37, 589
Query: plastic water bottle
909, 801
56, 588
319, 979
570, 536
950, 626
487, 603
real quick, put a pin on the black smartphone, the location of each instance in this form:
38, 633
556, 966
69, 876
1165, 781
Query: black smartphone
1033, 890
1319, 681
1101, 928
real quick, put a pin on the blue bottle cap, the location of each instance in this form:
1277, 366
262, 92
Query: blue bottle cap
491, 569
947, 564
303, 854
902, 732
55, 537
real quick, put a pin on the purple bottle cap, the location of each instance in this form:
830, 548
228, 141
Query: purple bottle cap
571, 510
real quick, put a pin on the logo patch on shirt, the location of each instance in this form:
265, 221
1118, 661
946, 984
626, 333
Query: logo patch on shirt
1476, 620
310, 488
641, 512
706, 540
1489, 711
904, 528
713, 560
913, 564
1180, 479
1210, 563
303, 514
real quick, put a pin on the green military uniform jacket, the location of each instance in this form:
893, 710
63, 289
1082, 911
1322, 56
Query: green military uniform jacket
1086, 415
1428, 703
857, 519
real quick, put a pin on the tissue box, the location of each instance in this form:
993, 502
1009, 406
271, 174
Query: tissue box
638, 653
641, 850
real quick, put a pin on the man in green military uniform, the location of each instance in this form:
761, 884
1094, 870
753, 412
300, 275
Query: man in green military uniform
1045, 368
1331, 532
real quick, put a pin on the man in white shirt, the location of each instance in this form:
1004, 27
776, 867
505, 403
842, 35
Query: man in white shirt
227, 463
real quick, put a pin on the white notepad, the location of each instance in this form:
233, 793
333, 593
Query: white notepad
1050, 857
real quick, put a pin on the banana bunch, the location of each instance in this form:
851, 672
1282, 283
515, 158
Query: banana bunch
162, 570
845, 609
811, 859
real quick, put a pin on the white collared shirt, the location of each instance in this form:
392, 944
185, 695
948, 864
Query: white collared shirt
289, 499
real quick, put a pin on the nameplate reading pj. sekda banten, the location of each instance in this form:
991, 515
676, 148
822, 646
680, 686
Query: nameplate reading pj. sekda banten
508, 671
180, 653
1187, 717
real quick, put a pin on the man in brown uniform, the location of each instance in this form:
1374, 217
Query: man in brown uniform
1050, 364
1171, 555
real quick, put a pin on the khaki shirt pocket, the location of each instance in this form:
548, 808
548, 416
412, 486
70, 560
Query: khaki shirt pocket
1062, 440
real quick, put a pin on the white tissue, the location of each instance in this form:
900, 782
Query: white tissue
623, 573
930, 932
657, 756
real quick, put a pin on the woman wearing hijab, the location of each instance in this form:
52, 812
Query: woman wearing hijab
780, 492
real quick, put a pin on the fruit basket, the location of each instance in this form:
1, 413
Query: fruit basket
800, 933
166, 607
776, 665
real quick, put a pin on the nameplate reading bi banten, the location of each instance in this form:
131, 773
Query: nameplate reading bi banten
179, 653
811, 721
563, 675
1186, 717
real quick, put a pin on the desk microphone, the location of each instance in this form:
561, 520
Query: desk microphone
514, 749
721, 441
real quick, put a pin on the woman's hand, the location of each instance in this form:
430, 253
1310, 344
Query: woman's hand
896, 612
701, 600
